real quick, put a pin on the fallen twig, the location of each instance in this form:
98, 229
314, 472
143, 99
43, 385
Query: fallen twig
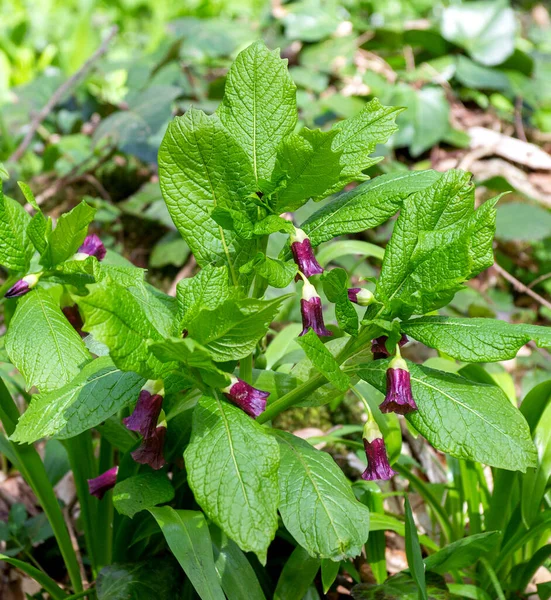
58, 95
519, 286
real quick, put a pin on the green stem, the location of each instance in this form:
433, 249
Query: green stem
91, 593
34, 473
83, 465
493, 578
246, 369
105, 508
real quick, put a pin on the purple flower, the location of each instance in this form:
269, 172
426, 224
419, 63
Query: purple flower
398, 397
101, 484
379, 349
248, 398
21, 287
360, 296
378, 467
304, 255
92, 246
312, 314
146, 413
151, 450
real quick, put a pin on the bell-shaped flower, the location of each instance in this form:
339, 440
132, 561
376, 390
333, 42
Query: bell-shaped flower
92, 246
148, 408
378, 346
310, 308
399, 398
247, 397
151, 450
101, 484
378, 467
303, 254
21, 287
360, 296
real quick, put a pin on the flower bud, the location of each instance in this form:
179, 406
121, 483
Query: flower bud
148, 408
151, 450
378, 467
101, 484
92, 246
398, 397
24, 285
303, 254
378, 346
312, 314
360, 296
248, 398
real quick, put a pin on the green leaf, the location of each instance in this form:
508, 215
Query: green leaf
153, 579
310, 166
413, 553
339, 248
235, 572
358, 136
39, 576
403, 587
193, 356
453, 419
317, 504
475, 340
142, 492
246, 227
259, 105
335, 286
232, 330
208, 289
125, 319
15, 246
188, 538
297, 575
68, 235
99, 391
201, 167
485, 29
323, 360
277, 273
329, 572
463, 553
518, 221
366, 206
48, 352
232, 470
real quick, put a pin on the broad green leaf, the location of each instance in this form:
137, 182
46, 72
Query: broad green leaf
193, 356
339, 248
201, 167
463, 553
358, 136
232, 468
413, 553
521, 222
125, 319
99, 391
42, 344
259, 106
245, 225
15, 246
367, 206
235, 572
485, 29
475, 340
298, 573
141, 492
310, 165
188, 537
453, 418
403, 587
233, 329
277, 273
68, 235
317, 504
153, 579
323, 360
329, 572
39, 227
208, 289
